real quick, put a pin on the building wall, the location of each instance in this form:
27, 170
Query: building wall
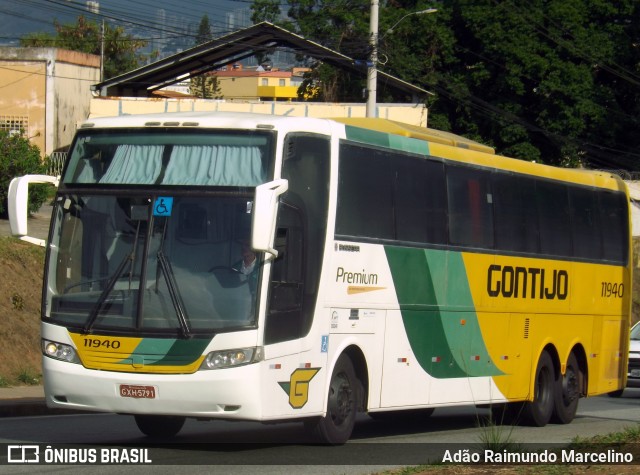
23, 98
242, 88
51, 88
72, 95
246, 85
414, 114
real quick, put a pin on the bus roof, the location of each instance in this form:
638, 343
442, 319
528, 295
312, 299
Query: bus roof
414, 132
443, 144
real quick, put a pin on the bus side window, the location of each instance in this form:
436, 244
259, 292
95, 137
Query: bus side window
470, 207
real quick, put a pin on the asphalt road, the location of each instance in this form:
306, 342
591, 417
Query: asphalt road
37, 224
243, 448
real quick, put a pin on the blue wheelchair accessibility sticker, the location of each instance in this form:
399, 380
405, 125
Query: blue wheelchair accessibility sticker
324, 345
162, 206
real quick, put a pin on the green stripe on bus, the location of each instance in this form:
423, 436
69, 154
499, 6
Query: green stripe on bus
184, 352
446, 343
367, 136
382, 139
168, 351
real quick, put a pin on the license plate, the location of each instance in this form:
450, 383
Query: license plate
635, 373
138, 392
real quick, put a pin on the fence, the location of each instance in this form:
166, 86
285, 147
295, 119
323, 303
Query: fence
55, 163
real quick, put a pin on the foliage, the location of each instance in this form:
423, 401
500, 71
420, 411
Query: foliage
553, 81
19, 157
265, 10
339, 25
204, 33
205, 85
28, 377
539, 82
121, 50
497, 437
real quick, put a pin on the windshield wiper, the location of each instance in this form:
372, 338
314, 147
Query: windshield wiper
128, 259
95, 311
174, 293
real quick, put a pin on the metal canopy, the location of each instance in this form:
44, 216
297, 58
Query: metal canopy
219, 52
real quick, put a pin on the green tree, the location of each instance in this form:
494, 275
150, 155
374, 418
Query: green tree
529, 79
19, 157
121, 50
265, 10
204, 33
339, 25
556, 81
206, 86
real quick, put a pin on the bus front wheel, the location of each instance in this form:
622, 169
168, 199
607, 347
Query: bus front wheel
335, 428
567, 392
538, 412
159, 426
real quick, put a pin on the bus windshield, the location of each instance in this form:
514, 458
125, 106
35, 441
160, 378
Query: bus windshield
167, 264
159, 156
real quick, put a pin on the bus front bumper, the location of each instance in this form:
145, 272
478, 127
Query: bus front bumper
230, 393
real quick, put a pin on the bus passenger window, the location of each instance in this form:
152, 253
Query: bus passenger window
555, 220
470, 207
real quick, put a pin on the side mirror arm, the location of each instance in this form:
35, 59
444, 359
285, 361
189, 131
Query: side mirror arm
265, 213
18, 204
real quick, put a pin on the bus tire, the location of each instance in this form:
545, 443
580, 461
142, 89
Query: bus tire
336, 427
538, 412
617, 393
159, 426
567, 392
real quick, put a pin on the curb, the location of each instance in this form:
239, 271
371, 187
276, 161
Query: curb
31, 407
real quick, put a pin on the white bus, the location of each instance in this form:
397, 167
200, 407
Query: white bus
397, 270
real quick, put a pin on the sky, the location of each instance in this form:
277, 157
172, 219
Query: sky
151, 18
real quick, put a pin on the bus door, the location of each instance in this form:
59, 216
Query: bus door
295, 356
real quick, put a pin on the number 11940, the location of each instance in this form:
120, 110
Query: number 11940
612, 289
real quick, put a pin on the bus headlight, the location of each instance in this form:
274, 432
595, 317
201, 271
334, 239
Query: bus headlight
59, 351
232, 358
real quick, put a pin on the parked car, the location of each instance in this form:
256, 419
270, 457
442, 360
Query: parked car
633, 372
633, 376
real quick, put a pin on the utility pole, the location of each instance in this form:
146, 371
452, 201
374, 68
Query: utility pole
372, 71
102, 51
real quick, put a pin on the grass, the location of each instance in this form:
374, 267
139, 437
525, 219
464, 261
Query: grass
497, 439
20, 300
28, 377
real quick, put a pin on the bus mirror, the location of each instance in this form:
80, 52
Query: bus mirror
265, 209
18, 204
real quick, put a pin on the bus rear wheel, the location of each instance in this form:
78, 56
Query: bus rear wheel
336, 427
159, 426
538, 412
567, 392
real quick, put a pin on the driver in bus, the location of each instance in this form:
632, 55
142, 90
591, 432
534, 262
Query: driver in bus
246, 267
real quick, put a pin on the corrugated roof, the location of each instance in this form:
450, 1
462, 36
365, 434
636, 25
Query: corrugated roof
234, 47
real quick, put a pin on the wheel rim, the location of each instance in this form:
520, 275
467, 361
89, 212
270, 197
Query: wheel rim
543, 393
340, 400
570, 390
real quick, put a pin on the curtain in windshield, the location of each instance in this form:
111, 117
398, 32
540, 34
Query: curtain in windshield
168, 157
222, 165
139, 164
